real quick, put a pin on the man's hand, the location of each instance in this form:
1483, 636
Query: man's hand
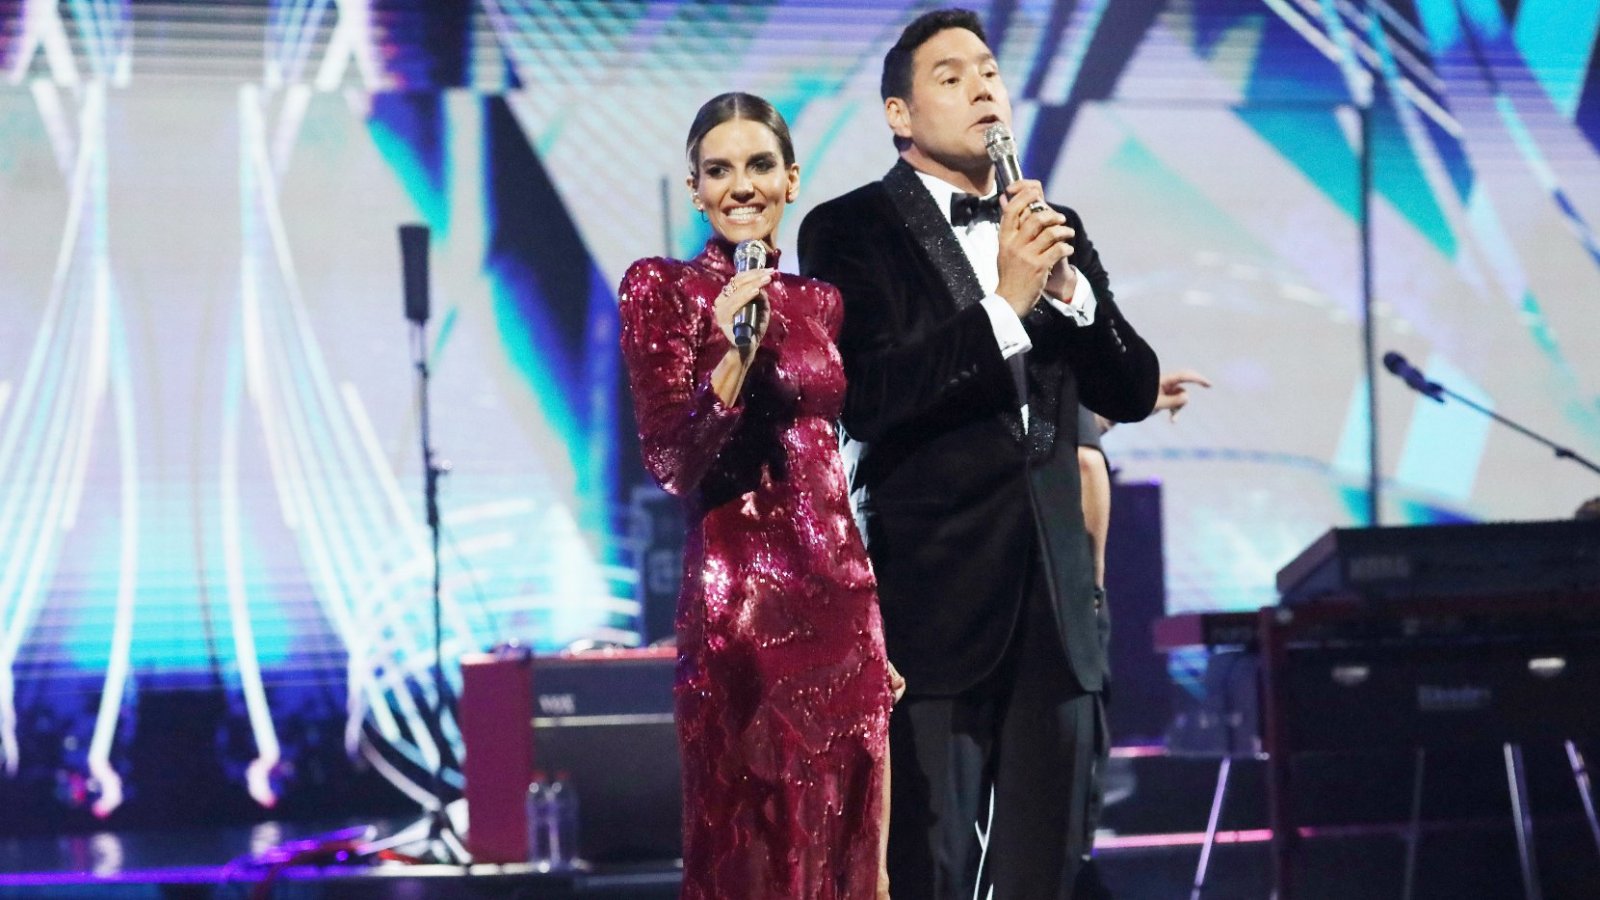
1063, 280
1033, 244
1174, 393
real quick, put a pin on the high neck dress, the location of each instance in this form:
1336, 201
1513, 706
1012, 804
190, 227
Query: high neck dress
782, 685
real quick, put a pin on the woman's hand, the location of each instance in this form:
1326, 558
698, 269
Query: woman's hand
740, 291
727, 379
897, 682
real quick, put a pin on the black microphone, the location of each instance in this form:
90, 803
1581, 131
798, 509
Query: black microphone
746, 256
1397, 366
414, 268
1003, 153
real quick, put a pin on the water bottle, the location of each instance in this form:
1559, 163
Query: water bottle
538, 813
561, 801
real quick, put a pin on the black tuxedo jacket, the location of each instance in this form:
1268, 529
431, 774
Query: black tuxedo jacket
959, 501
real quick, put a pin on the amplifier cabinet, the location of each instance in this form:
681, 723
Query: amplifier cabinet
1425, 673
1440, 696
603, 723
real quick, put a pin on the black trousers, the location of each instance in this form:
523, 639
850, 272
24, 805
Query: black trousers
1097, 776
1028, 734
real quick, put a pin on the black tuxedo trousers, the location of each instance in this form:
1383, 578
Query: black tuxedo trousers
1012, 755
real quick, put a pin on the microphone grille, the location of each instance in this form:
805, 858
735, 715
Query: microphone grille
751, 254
998, 141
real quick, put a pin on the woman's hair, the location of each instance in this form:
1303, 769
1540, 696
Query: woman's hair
728, 107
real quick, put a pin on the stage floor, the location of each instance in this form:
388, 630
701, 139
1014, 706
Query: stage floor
1149, 852
245, 862
1474, 860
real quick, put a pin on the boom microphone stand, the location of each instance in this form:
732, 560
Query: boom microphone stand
1413, 377
443, 843
1517, 780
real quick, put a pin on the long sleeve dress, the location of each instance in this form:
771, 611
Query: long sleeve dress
782, 687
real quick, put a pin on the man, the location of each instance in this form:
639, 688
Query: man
967, 345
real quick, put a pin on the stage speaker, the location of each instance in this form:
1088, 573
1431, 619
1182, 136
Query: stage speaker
656, 529
1136, 588
603, 724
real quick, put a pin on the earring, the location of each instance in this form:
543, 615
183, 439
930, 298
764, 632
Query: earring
703, 216
701, 206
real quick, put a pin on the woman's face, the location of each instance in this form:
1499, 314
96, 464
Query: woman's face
743, 184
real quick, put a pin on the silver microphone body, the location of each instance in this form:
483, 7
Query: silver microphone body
1002, 149
747, 255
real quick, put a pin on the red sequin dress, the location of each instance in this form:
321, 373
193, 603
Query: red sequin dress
782, 688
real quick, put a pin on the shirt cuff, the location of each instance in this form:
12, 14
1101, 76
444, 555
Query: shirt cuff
1008, 330
1080, 308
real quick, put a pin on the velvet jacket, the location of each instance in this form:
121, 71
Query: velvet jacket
957, 501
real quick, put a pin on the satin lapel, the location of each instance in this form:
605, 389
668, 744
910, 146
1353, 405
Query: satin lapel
931, 230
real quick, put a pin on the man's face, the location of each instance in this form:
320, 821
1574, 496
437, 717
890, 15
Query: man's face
956, 94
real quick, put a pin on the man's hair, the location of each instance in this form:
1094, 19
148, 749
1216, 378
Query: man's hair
896, 81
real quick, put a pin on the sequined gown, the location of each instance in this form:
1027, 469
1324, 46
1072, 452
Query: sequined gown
782, 688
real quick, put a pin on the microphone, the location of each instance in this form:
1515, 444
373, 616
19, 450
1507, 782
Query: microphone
414, 269
1002, 150
1405, 371
746, 256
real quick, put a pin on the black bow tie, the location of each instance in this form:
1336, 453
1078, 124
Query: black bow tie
966, 209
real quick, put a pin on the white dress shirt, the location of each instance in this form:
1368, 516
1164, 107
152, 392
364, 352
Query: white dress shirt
981, 242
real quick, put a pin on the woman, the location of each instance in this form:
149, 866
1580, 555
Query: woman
783, 689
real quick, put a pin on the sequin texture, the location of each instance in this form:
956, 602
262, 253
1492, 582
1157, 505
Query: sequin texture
782, 686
